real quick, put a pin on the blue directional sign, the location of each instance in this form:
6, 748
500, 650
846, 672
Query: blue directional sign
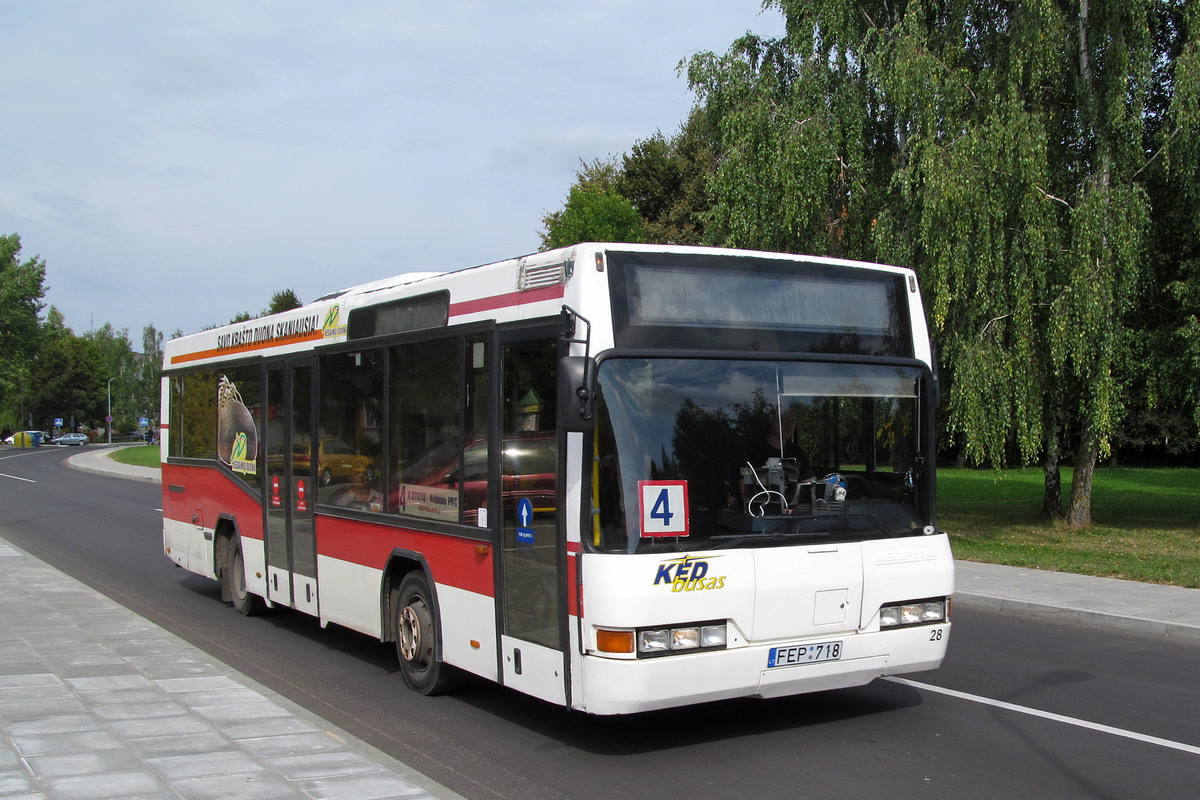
524, 521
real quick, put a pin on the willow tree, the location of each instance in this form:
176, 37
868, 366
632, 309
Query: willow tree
796, 140
1000, 149
1181, 35
971, 89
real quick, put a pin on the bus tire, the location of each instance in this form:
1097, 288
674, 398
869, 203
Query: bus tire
416, 638
246, 602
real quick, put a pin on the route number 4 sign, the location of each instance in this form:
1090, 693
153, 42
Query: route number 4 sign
664, 508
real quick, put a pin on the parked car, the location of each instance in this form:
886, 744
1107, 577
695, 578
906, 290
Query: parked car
72, 438
337, 460
529, 469
13, 438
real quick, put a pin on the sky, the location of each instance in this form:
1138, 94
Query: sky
176, 163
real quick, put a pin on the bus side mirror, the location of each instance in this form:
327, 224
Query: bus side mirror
576, 394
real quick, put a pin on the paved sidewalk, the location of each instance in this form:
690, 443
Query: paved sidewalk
1169, 611
98, 703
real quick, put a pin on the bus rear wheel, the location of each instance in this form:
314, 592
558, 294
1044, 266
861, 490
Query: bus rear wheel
416, 638
246, 602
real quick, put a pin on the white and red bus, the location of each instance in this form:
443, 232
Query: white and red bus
615, 477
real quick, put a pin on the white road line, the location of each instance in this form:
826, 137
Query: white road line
1033, 712
16, 477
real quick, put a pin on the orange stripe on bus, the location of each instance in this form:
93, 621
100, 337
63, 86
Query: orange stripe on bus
311, 336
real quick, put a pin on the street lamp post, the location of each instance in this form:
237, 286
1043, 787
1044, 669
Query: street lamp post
109, 417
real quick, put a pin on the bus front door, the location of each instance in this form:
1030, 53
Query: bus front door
291, 487
532, 555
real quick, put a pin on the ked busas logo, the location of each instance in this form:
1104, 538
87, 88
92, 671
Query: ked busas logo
687, 574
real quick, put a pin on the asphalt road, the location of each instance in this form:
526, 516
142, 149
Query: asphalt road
1022, 708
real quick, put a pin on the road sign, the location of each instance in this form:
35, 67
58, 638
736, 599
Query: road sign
524, 521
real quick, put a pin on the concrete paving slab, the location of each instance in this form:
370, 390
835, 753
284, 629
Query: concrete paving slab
103, 705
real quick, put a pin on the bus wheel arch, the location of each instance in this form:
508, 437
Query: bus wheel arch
231, 568
414, 625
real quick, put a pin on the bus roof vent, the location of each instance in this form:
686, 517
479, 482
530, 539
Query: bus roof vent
540, 276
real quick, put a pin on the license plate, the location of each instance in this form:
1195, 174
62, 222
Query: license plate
804, 654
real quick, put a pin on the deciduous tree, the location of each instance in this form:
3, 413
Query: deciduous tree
22, 287
595, 211
1000, 149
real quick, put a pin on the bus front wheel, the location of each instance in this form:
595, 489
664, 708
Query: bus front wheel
416, 638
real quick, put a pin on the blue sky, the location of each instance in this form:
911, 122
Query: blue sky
178, 162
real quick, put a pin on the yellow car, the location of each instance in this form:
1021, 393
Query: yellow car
336, 460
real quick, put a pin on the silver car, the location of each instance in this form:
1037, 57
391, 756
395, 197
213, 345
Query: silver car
72, 438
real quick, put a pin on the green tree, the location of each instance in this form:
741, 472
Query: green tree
1179, 34
69, 381
283, 300
595, 211
117, 361
666, 179
793, 124
22, 287
1000, 149
147, 390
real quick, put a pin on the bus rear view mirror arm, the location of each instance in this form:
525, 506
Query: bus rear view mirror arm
577, 393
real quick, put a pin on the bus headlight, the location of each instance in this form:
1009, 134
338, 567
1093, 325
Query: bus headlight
916, 612
681, 639
652, 642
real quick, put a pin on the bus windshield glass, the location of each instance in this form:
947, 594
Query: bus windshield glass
758, 453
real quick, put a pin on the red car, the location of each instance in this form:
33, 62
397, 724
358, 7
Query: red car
529, 464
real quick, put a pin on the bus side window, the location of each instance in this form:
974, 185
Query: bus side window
349, 452
194, 415
424, 430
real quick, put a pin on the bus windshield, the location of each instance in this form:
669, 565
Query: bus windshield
765, 453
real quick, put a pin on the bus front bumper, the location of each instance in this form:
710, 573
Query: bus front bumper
626, 686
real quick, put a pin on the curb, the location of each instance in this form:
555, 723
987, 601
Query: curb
1078, 616
98, 462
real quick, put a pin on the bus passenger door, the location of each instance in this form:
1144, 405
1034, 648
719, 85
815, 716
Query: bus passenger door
291, 487
532, 554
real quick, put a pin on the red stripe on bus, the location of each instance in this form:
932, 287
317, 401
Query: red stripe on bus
209, 494
507, 300
453, 560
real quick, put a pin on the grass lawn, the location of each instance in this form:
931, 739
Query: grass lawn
139, 455
1145, 523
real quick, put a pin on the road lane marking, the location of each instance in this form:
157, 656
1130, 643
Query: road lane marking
1048, 715
16, 477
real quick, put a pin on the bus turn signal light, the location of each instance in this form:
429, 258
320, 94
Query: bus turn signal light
614, 641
